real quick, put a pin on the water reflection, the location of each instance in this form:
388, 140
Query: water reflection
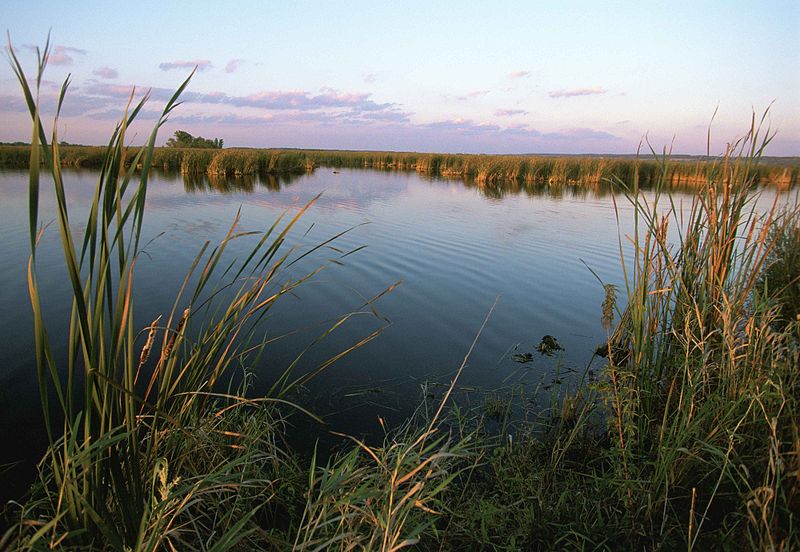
202, 183
499, 190
594, 190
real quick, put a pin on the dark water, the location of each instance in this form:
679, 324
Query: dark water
455, 248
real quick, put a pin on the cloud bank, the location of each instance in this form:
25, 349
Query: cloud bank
325, 118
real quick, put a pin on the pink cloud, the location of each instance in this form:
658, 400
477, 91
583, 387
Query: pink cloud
573, 92
59, 55
201, 64
509, 112
519, 74
464, 97
106, 73
233, 65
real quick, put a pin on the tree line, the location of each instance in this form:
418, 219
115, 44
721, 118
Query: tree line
183, 139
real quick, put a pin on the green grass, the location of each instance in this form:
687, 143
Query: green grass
688, 439
487, 170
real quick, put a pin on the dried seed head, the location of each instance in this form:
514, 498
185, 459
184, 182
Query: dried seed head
609, 303
148, 345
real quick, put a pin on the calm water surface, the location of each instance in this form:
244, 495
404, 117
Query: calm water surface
454, 247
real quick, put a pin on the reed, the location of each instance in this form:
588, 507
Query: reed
551, 170
150, 447
705, 377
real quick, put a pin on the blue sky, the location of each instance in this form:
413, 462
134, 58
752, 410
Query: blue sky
500, 77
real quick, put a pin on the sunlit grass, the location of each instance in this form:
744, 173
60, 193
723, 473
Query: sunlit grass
691, 438
484, 170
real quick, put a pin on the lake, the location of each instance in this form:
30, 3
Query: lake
453, 246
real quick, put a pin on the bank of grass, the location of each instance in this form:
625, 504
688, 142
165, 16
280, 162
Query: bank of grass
484, 170
689, 438
537, 169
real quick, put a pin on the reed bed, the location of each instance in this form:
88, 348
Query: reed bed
551, 170
688, 439
484, 170
192, 161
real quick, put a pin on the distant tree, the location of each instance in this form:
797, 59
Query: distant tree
183, 139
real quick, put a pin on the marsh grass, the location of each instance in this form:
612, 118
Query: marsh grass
781, 276
485, 171
707, 382
689, 439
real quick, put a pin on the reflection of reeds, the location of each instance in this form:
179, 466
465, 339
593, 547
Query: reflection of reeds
549, 170
193, 182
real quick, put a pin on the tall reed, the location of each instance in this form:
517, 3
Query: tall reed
706, 393
690, 436
121, 409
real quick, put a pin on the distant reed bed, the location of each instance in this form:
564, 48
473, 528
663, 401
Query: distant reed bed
215, 162
483, 170
552, 170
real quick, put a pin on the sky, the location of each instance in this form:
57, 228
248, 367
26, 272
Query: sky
476, 77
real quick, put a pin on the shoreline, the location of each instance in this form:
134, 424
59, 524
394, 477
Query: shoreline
482, 168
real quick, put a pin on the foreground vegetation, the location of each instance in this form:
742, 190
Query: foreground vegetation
690, 438
484, 170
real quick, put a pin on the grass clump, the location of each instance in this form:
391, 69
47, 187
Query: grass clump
381, 498
781, 277
147, 449
705, 404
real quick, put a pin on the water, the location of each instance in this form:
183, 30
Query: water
454, 247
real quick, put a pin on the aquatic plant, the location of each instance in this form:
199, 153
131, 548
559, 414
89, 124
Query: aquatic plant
149, 445
689, 438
